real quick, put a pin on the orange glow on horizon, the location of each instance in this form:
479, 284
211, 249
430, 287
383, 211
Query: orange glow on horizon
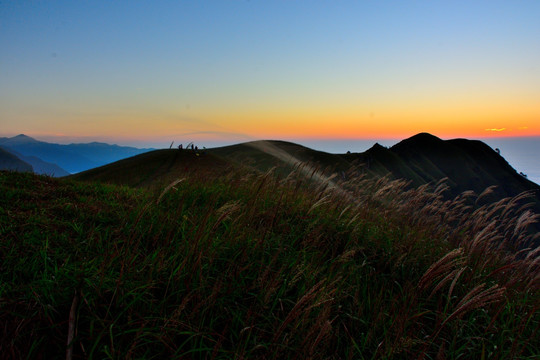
384, 121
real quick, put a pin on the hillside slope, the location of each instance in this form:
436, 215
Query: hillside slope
42, 167
159, 167
263, 155
9, 161
256, 268
466, 164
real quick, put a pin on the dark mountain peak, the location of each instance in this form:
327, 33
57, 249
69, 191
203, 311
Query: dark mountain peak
18, 140
419, 141
424, 136
378, 146
22, 137
377, 149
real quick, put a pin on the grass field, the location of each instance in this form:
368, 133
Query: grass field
239, 265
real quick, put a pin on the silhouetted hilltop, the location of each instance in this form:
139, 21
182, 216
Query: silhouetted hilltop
20, 139
468, 165
263, 155
421, 159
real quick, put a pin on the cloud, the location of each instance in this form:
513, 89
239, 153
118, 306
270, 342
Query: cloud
496, 130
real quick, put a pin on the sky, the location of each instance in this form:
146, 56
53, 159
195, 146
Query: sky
150, 72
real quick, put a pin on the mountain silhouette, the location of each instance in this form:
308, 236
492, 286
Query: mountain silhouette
421, 159
9, 161
467, 164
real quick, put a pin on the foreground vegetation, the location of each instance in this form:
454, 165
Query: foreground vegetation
257, 266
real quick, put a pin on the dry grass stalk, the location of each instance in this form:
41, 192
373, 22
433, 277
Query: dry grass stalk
321, 201
476, 298
225, 212
169, 187
442, 266
324, 331
297, 309
489, 190
71, 327
454, 282
526, 219
454, 276
481, 239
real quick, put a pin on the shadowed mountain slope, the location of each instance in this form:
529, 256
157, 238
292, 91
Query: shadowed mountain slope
158, 167
162, 166
41, 167
52, 153
9, 161
468, 165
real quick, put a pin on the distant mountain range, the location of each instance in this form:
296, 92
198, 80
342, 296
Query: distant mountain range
61, 160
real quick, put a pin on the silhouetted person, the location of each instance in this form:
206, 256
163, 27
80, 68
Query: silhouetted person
180, 147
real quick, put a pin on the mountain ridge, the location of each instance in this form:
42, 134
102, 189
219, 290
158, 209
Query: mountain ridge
420, 159
73, 157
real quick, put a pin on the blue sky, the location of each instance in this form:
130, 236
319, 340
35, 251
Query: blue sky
235, 70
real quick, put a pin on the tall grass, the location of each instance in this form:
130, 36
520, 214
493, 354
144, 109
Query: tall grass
262, 266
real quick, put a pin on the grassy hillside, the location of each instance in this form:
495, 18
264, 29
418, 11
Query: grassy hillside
282, 155
163, 166
231, 264
159, 168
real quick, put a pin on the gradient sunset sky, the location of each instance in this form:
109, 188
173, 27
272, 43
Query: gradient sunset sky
156, 71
